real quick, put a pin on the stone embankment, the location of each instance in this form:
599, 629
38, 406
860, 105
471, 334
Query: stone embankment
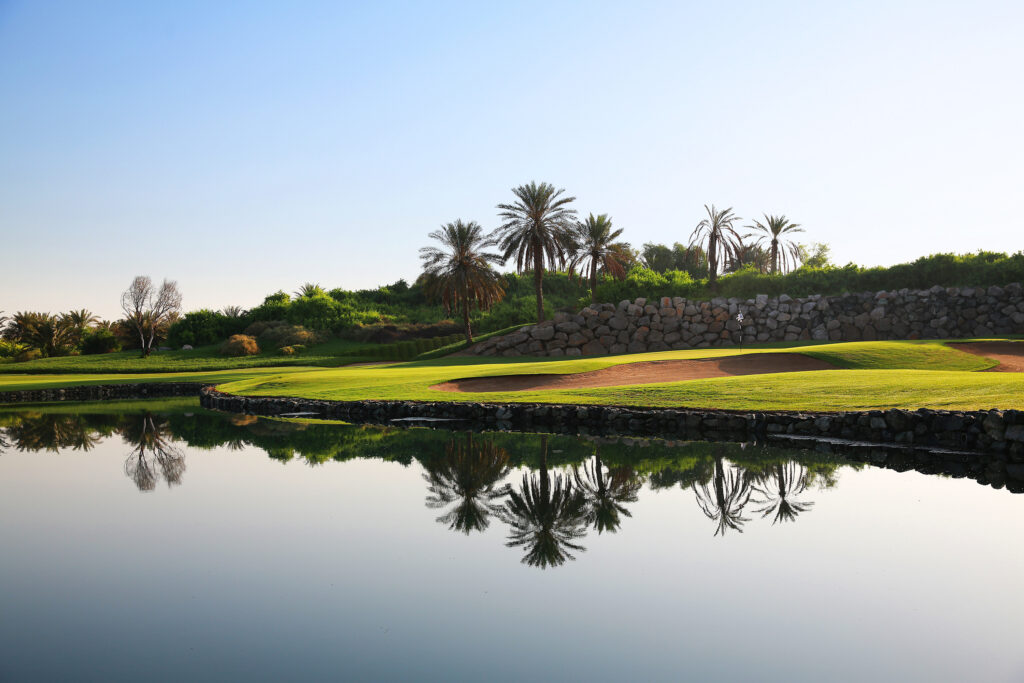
103, 392
677, 323
999, 435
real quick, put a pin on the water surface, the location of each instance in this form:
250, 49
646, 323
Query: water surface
169, 543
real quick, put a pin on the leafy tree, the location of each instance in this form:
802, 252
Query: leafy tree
717, 232
547, 516
592, 247
657, 257
467, 480
460, 272
535, 230
783, 253
819, 255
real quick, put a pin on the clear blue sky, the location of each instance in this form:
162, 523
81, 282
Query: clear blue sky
242, 148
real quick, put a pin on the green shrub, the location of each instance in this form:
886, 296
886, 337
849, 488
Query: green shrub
240, 345
10, 348
28, 354
100, 340
204, 327
291, 350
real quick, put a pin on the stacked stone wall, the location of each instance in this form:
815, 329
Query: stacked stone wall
678, 323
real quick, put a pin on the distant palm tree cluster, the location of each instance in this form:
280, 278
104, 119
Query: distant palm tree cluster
540, 231
47, 334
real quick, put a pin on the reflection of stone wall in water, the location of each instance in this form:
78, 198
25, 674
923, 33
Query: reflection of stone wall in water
677, 323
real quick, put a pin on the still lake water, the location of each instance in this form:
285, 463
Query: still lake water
176, 544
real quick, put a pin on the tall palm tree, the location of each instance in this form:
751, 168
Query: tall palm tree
782, 253
748, 253
592, 247
233, 311
723, 503
535, 229
778, 489
546, 516
461, 272
607, 492
468, 477
717, 232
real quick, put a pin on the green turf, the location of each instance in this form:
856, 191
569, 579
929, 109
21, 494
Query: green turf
10, 382
330, 354
888, 374
907, 374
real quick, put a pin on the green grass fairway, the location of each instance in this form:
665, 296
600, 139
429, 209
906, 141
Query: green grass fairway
904, 374
204, 358
885, 375
9, 382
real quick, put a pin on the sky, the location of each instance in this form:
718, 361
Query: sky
245, 147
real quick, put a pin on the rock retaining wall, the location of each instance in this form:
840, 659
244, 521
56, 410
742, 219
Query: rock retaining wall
677, 323
102, 392
999, 434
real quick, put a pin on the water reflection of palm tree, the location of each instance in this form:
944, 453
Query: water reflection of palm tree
725, 500
547, 515
468, 477
153, 453
778, 488
606, 493
52, 432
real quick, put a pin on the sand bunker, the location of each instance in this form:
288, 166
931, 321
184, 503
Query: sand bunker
1010, 355
648, 372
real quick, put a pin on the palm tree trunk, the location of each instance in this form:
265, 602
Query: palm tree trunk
712, 260
593, 281
538, 280
775, 256
465, 317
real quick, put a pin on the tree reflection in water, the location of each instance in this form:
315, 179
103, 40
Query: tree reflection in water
153, 453
546, 516
467, 479
724, 501
607, 492
778, 488
54, 432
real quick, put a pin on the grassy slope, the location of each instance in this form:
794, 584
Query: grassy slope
888, 374
11, 382
330, 354
881, 375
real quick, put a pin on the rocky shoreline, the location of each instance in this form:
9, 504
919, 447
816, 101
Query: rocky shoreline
103, 392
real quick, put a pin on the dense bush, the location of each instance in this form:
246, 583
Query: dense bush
948, 270
240, 345
100, 340
277, 334
10, 348
203, 327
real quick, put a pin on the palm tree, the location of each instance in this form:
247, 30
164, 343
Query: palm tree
717, 232
309, 289
546, 516
44, 331
748, 254
460, 272
782, 253
607, 492
778, 489
724, 502
535, 230
592, 247
468, 477
233, 311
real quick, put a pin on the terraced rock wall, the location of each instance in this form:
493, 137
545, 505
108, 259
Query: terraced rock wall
677, 323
